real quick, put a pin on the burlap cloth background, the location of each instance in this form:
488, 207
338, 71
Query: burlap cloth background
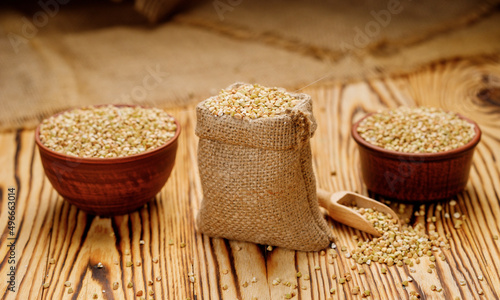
90, 52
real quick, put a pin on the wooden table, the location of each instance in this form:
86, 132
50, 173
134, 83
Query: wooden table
57, 243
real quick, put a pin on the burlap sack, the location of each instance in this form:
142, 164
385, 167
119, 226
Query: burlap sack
257, 178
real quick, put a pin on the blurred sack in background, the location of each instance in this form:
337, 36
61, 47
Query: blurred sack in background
57, 54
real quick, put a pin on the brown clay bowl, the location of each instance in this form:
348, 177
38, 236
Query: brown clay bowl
415, 177
109, 186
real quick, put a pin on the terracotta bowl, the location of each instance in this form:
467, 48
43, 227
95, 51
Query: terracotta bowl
415, 177
109, 186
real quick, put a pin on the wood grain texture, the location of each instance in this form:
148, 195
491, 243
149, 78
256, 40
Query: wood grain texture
48, 227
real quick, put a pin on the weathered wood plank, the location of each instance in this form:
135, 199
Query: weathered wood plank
49, 228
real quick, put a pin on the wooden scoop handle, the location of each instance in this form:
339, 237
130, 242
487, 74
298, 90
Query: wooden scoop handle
344, 214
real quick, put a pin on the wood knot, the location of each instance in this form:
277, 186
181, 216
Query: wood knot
490, 95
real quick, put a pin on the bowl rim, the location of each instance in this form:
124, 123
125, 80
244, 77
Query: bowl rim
438, 155
96, 160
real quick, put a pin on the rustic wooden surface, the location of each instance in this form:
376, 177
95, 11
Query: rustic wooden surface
47, 227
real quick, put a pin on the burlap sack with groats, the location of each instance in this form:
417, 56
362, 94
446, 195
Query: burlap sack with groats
257, 178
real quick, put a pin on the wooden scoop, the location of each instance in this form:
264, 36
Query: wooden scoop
338, 207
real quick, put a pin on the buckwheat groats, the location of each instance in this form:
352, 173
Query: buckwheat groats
416, 130
107, 131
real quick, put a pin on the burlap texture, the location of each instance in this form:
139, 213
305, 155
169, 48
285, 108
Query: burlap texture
257, 178
154, 10
89, 52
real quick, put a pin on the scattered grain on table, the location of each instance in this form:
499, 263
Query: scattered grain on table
396, 246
